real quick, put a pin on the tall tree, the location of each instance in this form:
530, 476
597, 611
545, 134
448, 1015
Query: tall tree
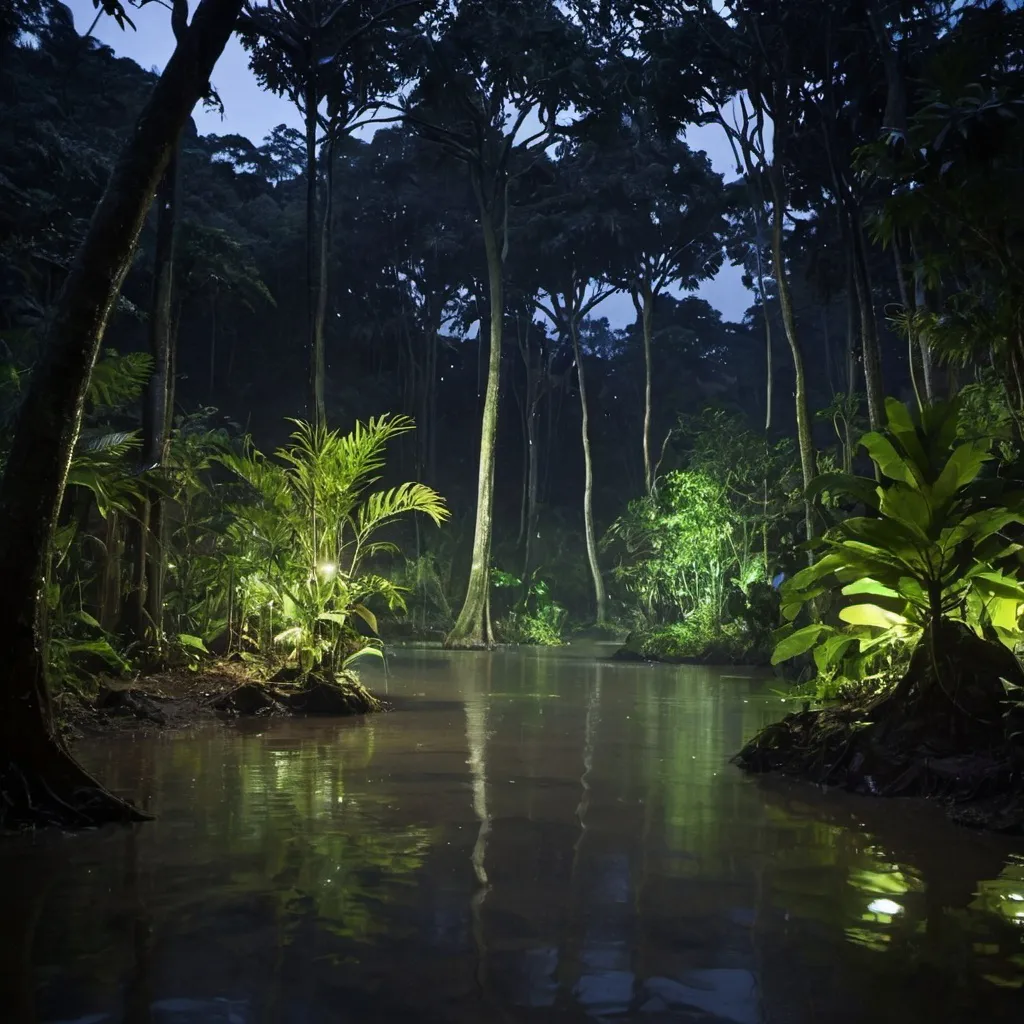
669, 207
493, 81
40, 780
335, 60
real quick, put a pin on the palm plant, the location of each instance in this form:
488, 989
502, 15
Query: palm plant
308, 529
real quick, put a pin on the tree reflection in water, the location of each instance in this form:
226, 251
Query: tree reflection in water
539, 836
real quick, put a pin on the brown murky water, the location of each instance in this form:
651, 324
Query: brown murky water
531, 837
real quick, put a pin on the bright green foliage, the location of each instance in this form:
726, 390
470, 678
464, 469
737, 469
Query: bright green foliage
934, 547
696, 555
537, 618
306, 528
677, 545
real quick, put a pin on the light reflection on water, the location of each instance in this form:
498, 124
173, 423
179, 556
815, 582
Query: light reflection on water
536, 837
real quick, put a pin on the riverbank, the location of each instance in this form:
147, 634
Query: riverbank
840, 749
183, 698
681, 645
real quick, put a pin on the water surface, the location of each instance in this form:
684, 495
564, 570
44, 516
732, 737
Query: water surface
530, 837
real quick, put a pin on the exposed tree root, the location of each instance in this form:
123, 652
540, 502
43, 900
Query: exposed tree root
57, 792
945, 731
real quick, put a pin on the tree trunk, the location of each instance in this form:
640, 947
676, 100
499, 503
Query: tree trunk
326, 228
39, 780
868, 325
922, 304
766, 316
805, 437
145, 608
600, 598
472, 628
645, 303
316, 354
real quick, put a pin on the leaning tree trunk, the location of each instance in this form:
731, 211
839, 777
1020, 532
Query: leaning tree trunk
473, 627
39, 780
600, 597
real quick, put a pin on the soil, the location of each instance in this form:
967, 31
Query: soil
945, 731
181, 699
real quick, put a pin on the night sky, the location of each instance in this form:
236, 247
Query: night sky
250, 111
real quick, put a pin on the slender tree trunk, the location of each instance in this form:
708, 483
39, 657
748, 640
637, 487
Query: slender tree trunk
326, 229
600, 597
472, 628
868, 325
909, 304
39, 780
316, 354
805, 437
765, 314
922, 304
644, 301
145, 608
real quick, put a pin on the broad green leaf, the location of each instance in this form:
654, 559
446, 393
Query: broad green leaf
869, 586
813, 573
870, 615
961, 468
861, 488
909, 507
998, 585
188, 640
370, 650
977, 528
889, 461
830, 653
799, 642
939, 421
890, 539
366, 615
902, 426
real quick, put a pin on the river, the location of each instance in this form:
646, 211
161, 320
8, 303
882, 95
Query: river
529, 836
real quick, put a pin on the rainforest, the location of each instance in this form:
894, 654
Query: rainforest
512, 511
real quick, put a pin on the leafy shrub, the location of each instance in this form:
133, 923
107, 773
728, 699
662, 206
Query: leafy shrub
306, 527
537, 619
934, 548
699, 638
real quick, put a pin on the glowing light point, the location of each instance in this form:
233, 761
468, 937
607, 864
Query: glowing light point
885, 907
327, 569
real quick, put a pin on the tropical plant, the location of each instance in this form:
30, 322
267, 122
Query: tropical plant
306, 528
933, 548
674, 546
537, 618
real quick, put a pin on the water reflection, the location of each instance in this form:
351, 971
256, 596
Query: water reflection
537, 837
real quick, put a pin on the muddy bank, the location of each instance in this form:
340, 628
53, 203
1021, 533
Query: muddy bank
181, 699
837, 747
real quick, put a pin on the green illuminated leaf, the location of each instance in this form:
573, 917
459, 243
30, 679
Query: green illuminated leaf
870, 615
889, 461
799, 642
